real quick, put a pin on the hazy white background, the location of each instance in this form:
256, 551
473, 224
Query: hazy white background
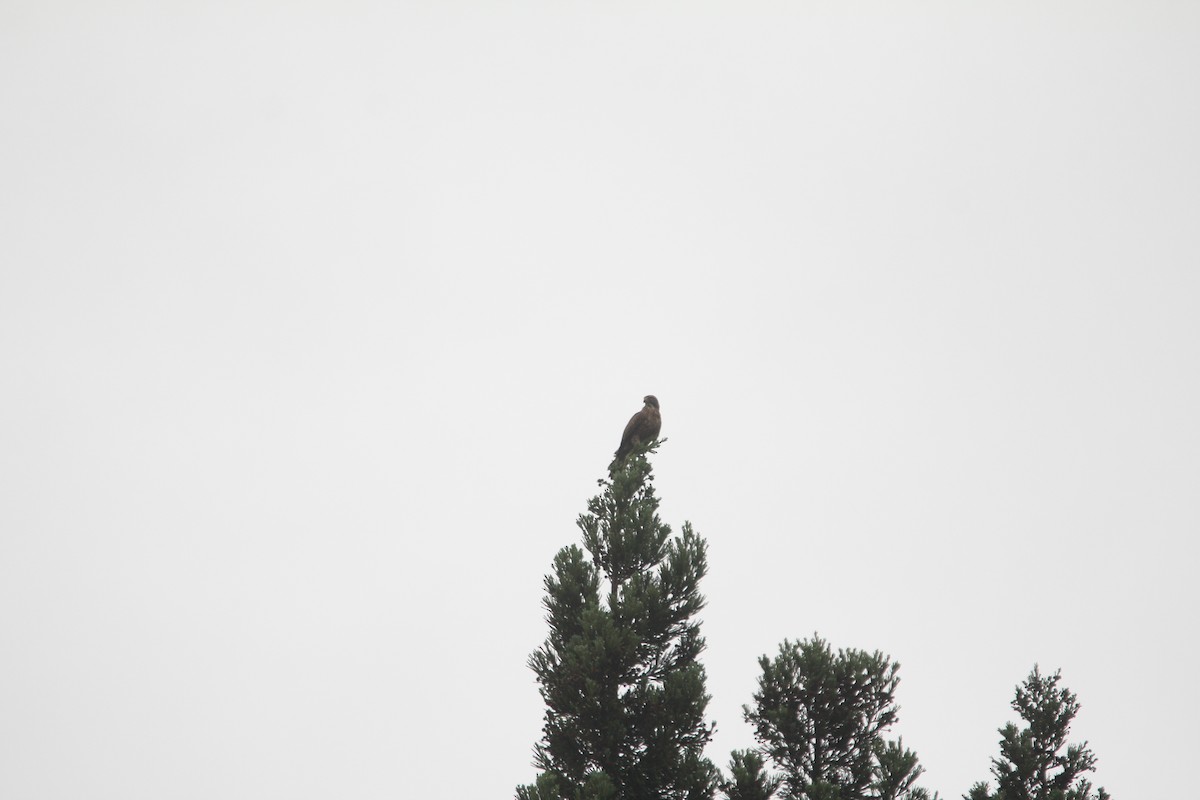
318, 322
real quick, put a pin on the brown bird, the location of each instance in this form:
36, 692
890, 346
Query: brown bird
643, 427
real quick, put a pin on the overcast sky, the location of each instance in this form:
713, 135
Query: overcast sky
319, 321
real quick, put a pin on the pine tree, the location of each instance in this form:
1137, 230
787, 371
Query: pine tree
748, 777
1032, 764
619, 672
821, 717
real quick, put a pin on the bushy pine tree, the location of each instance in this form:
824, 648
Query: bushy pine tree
620, 672
821, 717
1032, 763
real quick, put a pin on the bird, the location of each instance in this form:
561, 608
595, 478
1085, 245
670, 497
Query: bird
643, 427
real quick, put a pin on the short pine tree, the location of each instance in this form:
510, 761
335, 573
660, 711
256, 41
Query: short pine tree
748, 777
1032, 764
821, 717
620, 672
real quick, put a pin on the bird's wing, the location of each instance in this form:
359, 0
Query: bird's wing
632, 431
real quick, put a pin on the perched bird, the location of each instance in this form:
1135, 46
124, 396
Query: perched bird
643, 427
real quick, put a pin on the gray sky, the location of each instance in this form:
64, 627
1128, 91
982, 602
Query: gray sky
319, 321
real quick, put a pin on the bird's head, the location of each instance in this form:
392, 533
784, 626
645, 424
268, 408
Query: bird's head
650, 400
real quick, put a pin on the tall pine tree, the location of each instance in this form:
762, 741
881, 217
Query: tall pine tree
619, 672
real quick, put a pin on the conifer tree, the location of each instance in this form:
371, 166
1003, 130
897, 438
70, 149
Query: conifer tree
620, 672
748, 777
821, 717
1032, 763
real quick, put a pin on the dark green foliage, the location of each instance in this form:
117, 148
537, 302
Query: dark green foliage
896, 769
748, 778
619, 671
548, 787
820, 716
1032, 763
